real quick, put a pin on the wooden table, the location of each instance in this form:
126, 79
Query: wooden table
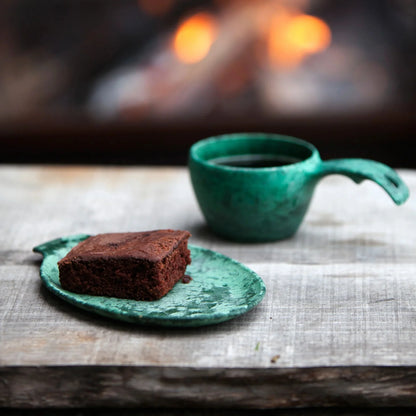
337, 325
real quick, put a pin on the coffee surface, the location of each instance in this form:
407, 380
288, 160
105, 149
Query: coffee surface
255, 160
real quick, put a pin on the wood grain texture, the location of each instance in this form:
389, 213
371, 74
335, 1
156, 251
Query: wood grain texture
340, 301
112, 386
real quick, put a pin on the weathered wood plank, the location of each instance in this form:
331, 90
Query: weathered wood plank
341, 295
110, 386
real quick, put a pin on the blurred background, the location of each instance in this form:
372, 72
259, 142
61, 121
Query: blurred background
138, 81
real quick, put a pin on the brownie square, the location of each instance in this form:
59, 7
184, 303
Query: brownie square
140, 266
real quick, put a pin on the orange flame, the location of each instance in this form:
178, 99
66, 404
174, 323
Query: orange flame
292, 38
194, 38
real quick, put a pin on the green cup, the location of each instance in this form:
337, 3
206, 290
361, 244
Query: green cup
256, 187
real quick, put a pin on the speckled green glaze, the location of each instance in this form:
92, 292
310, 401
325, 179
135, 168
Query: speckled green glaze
220, 289
268, 204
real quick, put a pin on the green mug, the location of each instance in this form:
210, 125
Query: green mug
256, 187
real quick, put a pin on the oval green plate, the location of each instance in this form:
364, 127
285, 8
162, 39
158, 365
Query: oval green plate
220, 289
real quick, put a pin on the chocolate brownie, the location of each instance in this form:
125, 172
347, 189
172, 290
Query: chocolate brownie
141, 266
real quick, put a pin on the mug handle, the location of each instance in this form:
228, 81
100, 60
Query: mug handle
360, 169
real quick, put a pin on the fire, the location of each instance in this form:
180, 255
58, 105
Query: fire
292, 38
310, 34
194, 38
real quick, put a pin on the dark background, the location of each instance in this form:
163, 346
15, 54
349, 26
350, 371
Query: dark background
61, 63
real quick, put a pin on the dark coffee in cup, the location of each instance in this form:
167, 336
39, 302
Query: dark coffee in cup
255, 160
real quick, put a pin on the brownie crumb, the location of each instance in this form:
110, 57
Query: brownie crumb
275, 358
186, 278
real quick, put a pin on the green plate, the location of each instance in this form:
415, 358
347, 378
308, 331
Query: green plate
220, 289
